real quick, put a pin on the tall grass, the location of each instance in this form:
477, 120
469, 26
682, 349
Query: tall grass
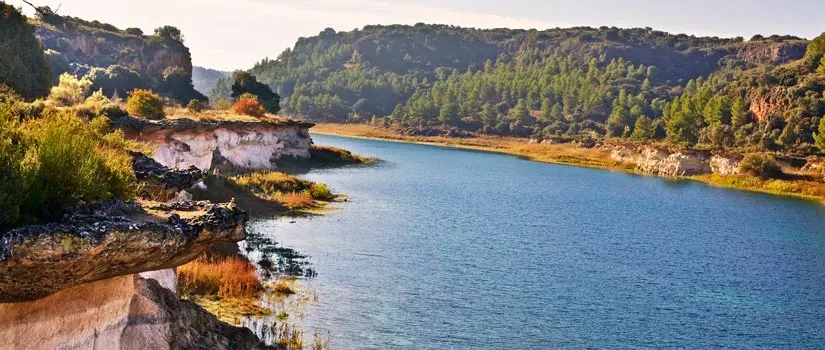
295, 200
223, 277
56, 160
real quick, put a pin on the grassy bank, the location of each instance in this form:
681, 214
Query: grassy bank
567, 154
290, 191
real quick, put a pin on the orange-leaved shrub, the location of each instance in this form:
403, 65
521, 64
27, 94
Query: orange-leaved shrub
249, 106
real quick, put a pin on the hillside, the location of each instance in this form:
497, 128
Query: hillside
118, 60
567, 83
204, 78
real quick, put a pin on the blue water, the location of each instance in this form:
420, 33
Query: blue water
449, 249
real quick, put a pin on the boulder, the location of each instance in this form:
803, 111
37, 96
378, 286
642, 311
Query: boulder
109, 239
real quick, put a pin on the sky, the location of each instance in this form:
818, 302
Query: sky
234, 34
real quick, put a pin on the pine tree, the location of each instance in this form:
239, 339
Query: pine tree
819, 137
644, 129
739, 113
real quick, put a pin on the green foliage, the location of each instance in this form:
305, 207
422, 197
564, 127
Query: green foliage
134, 31
816, 49
169, 32
197, 106
644, 129
321, 192
761, 165
177, 83
245, 83
58, 160
70, 91
25, 68
115, 80
145, 104
819, 136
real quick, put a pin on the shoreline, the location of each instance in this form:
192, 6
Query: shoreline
517, 147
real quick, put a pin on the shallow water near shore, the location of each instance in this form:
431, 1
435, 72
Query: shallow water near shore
442, 248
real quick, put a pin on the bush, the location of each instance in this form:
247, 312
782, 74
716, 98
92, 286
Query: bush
197, 106
250, 107
70, 91
223, 105
145, 104
134, 31
115, 79
25, 67
761, 165
58, 160
321, 192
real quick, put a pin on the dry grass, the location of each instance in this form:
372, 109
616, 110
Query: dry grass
548, 153
269, 183
227, 287
295, 200
222, 277
284, 286
797, 188
213, 115
291, 191
333, 155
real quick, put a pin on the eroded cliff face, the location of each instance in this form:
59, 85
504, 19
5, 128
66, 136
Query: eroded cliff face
138, 311
674, 162
180, 144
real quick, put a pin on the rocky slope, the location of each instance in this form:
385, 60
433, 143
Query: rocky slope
76, 46
182, 143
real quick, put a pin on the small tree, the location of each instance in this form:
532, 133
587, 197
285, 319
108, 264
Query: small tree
70, 91
819, 137
134, 31
644, 129
223, 105
169, 32
761, 165
246, 83
197, 106
145, 104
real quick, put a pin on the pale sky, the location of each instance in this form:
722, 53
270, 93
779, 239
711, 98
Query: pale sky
234, 34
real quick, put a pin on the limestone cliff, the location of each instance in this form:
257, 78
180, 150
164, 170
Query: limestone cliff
181, 143
675, 162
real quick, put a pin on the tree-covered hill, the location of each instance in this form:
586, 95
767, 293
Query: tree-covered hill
568, 83
204, 78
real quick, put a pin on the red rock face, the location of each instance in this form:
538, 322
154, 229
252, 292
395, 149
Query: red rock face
767, 104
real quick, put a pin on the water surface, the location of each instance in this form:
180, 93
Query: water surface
448, 249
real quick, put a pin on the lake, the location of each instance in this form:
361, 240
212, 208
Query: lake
440, 248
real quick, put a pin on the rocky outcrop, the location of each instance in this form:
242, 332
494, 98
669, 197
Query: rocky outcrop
84, 45
183, 143
725, 164
105, 240
125, 312
675, 162
161, 183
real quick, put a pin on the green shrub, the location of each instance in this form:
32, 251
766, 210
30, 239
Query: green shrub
197, 106
70, 91
761, 165
320, 192
145, 104
57, 160
25, 68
